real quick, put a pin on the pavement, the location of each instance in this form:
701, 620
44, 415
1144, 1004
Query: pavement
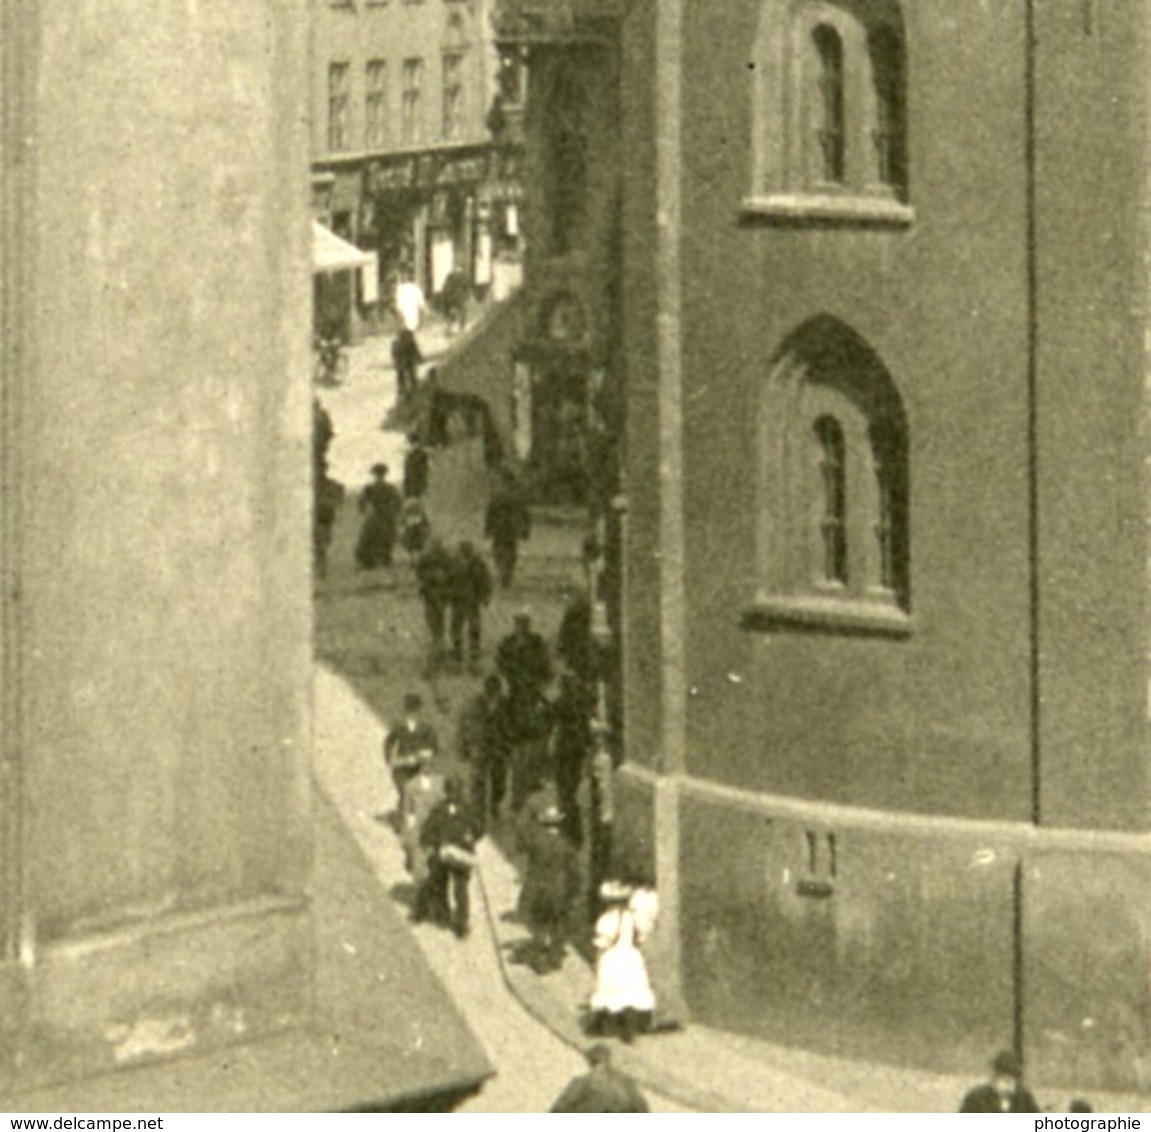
369, 636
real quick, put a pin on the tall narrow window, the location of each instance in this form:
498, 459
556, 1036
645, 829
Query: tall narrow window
889, 466
833, 523
889, 132
830, 116
410, 106
375, 104
453, 97
339, 134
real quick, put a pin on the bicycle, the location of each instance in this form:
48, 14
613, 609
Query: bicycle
331, 360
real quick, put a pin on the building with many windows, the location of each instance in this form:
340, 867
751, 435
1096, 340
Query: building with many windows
164, 859
403, 161
882, 347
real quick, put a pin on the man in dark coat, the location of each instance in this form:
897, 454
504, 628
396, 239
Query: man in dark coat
571, 713
507, 523
436, 577
523, 661
1005, 1092
483, 745
408, 743
450, 836
472, 590
602, 1089
522, 658
417, 463
406, 357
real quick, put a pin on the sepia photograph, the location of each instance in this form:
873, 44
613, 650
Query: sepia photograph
575, 556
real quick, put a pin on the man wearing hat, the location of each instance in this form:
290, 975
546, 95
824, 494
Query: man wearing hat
449, 836
602, 1089
1005, 1092
523, 661
406, 743
421, 795
551, 880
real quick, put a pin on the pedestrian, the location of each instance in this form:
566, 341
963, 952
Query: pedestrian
601, 822
472, 590
406, 743
417, 464
323, 433
450, 837
380, 505
483, 746
406, 358
454, 300
438, 410
329, 497
435, 576
415, 530
622, 1002
410, 301
522, 658
574, 642
602, 1089
551, 880
1005, 1092
523, 661
507, 523
421, 795
571, 744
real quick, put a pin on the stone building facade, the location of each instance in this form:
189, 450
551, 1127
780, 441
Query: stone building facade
886, 601
403, 159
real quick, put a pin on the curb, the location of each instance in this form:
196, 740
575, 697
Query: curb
539, 1004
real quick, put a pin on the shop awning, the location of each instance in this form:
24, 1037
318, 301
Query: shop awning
330, 253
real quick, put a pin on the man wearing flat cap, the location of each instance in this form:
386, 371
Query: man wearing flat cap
1005, 1092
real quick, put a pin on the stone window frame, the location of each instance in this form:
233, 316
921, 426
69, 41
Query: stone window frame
787, 175
454, 94
339, 105
376, 115
411, 100
825, 375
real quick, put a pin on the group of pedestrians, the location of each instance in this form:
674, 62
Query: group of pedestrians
437, 830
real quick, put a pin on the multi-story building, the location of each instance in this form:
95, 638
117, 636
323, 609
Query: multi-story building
886, 316
158, 851
403, 160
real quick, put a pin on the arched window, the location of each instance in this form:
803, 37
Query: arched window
829, 135
829, 92
889, 131
834, 523
833, 520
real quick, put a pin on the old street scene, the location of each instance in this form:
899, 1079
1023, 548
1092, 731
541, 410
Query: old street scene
575, 556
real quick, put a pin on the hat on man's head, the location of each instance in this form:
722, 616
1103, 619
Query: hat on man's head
379, 469
550, 815
598, 1054
524, 613
1007, 1064
413, 702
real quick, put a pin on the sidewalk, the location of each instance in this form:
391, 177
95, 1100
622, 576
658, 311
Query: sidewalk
375, 638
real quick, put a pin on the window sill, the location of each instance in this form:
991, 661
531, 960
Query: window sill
828, 208
838, 615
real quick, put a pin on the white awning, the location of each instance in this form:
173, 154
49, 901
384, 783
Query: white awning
330, 253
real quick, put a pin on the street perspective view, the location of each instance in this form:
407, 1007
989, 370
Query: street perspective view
575, 556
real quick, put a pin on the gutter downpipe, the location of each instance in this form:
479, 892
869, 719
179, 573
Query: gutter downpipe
1032, 286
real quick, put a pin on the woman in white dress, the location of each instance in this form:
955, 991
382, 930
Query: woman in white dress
622, 1001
